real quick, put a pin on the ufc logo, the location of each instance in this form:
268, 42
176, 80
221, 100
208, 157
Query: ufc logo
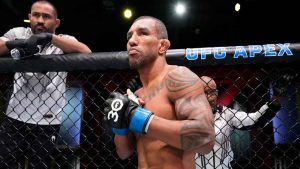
116, 105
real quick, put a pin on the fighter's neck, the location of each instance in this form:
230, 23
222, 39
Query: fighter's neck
153, 75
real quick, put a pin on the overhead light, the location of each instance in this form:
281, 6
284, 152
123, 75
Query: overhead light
180, 9
26, 20
237, 7
127, 13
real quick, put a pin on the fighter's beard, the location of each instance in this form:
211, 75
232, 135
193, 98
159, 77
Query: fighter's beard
136, 63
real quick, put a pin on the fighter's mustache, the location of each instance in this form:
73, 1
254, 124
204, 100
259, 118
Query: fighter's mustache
38, 26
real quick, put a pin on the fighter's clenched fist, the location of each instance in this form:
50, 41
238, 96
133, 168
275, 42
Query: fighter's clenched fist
123, 115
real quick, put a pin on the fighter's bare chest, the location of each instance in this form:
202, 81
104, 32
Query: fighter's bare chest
156, 100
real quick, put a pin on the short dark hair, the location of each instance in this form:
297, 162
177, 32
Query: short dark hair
160, 26
49, 3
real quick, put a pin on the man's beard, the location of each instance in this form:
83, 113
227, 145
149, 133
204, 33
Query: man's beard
136, 63
141, 61
36, 31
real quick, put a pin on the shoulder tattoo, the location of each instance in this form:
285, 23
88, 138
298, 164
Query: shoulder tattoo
180, 79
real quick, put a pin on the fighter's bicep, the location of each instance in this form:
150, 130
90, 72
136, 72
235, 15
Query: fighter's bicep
186, 91
191, 106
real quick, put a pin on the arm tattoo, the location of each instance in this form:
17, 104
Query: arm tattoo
195, 132
193, 135
180, 80
190, 105
185, 106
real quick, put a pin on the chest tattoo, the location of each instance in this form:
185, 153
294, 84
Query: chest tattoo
153, 92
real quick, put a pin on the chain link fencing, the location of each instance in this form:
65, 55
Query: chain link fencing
84, 141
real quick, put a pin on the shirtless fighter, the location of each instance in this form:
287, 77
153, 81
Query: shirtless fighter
173, 119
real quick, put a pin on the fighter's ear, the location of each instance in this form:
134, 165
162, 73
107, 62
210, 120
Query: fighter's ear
164, 45
57, 22
29, 16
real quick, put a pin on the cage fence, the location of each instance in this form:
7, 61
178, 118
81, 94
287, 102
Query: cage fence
84, 140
